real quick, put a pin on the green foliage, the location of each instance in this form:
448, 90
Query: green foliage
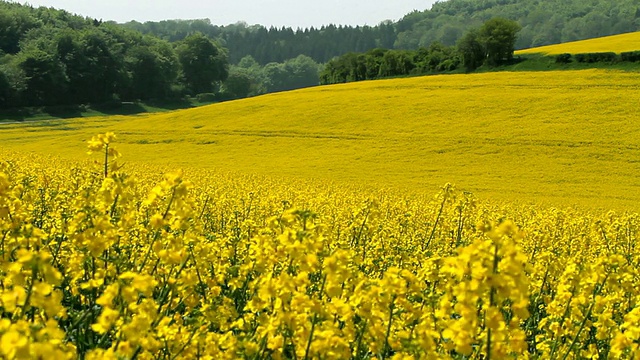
5, 89
543, 22
471, 50
380, 63
153, 70
605, 57
563, 58
248, 78
45, 77
492, 44
50, 57
295, 73
204, 64
396, 63
238, 84
498, 37
630, 56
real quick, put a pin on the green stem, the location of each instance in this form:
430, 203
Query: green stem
387, 347
492, 301
435, 225
586, 317
314, 322
106, 160
157, 234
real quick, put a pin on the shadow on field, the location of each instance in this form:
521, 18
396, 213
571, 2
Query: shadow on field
63, 112
101, 109
119, 108
40, 113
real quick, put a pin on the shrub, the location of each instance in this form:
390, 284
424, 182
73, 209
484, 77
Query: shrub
563, 59
596, 57
630, 56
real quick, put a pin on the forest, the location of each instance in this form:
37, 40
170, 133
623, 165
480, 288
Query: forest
543, 22
50, 57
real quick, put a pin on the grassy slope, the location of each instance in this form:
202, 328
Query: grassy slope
560, 137
616, 43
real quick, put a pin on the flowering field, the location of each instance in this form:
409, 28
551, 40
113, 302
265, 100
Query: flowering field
103, 262
615, 43
562, 137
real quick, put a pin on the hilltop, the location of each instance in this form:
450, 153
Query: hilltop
615, 43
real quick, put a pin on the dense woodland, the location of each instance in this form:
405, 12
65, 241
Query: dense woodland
52, 57
543, 22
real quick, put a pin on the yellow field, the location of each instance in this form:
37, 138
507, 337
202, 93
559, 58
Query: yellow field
562, 138
615, 43
106, 264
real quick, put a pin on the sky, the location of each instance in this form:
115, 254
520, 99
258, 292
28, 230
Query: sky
290, 13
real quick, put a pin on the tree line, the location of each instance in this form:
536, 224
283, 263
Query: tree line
276, 45
51, 57
543, 22
492, 45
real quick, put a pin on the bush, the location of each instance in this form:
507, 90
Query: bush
630, 56
206, 97
596, 57
563, 59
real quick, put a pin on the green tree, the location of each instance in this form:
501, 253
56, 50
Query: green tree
396, 63
499, 35
14, 82
5, 90
204, 64
153, 69
45, 78
15, 21
471, 50
238, 84
102, 66
373, 60
302, 72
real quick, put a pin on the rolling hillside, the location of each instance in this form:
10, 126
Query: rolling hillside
562, 137
615, 43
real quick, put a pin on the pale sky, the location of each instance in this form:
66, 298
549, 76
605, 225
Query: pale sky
294, 13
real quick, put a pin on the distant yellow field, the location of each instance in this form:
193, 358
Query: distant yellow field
559, 137
616, 43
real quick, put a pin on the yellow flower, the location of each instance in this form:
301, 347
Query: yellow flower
106, 320
14, 345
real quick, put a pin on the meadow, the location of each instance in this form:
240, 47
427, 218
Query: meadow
558, 138
615, 43
101, 263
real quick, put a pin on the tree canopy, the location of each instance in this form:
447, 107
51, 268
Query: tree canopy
543, 22
51, 57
